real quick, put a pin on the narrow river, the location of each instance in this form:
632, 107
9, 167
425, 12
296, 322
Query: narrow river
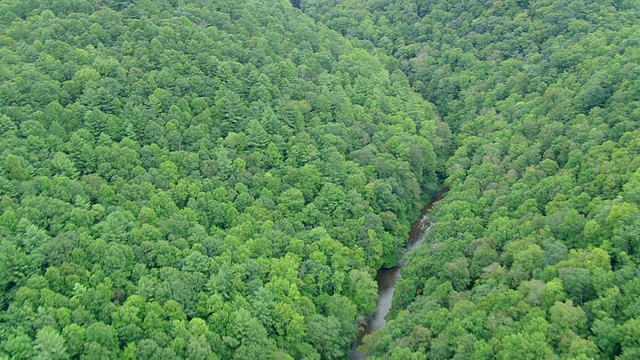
387, 278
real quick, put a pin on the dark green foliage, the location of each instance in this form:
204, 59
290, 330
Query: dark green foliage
534, 253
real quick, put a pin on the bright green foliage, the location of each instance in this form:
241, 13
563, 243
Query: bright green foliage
198, 180
221, 179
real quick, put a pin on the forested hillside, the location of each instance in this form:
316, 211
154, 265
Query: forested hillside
221, 179
536, 247
198, 180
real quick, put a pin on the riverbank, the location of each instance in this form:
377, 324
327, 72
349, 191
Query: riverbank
387, 278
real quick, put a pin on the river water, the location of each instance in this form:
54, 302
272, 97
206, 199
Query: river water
387, 278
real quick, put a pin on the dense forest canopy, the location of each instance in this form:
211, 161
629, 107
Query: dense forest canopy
536, 248
222, 179
198, 180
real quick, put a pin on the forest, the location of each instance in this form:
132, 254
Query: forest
222, 179
536, 247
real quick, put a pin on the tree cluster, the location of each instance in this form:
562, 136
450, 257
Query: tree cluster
198, 180
535, 250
